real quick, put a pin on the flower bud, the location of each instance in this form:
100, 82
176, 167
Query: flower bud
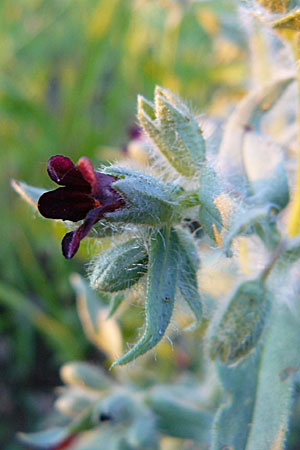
235, 330
174, 131
120, 267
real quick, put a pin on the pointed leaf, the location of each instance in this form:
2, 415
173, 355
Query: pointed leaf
161, 288
30, 194
148, 201
188, 264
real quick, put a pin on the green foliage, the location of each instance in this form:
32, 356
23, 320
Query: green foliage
206, 184
161, 287
148, 201
188, 265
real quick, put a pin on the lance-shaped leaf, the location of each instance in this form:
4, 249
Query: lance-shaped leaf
161, 286
188, 264
245, 117
120, 267
30, 194
264, 163
237, 327
177, 417
174, 131
147, 201
261, 388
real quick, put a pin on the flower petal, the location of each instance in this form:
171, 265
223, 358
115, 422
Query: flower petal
66, 204
71, 241
104, 193
87, 171
63, 171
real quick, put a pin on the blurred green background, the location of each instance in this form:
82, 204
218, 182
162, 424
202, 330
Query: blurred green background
70, 74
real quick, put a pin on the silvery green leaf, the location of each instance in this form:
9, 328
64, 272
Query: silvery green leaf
147, 200
188, 264
161, 287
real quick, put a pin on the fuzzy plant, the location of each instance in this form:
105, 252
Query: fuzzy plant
211, 198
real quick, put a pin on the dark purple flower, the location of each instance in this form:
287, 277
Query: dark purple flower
85, 194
